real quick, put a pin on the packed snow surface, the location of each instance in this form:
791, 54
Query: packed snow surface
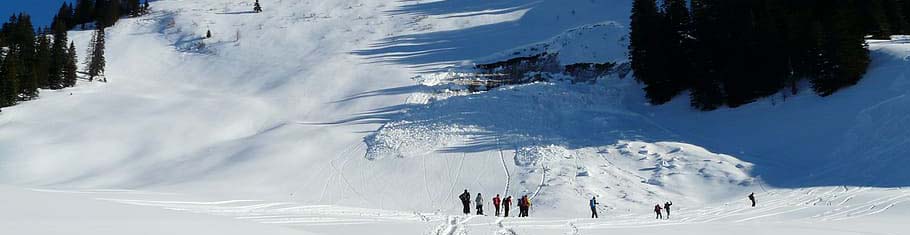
347, 117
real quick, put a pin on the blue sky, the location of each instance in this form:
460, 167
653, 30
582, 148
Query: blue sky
42, 11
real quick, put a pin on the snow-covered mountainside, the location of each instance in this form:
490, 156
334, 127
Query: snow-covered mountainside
343, 117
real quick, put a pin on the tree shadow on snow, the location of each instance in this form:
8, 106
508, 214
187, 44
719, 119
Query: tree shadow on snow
430, 51
512, 120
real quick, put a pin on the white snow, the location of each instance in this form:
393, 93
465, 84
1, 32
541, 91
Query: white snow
344, 117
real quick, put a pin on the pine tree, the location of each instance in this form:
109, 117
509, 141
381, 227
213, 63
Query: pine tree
134, 8
871, 14
895, 16
42, 68
706, 91
69, 68
25, 44
9, 90
58, 57
95, 61
64, 15
85, 11
677, 43
844, 58
100, 13
113, 12
645, 48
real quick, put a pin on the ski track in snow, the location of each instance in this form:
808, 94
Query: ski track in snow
778, 203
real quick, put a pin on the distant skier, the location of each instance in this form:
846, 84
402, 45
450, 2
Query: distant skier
593, 204
658, 210
256, 7
667, 208
752, 198
466, 201
496, 201
479, 201
507, 204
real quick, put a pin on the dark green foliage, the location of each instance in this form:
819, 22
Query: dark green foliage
42, 68
85, 12
134, 8
647, 51
9, 89
95, 61
31, 61
69, 67
58, 57
734, 52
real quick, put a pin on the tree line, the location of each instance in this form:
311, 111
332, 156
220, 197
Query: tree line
33, 59
733, 52
101, 13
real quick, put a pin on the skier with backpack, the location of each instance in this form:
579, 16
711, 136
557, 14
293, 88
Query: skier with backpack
507, 204
496, 201
524, 205
658, 210
479, 201
466, 201
667, 207
593, 204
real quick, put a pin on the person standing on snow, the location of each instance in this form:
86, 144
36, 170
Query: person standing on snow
593, 204
496, 201
479, 201
525, 206
466, 201
658, 210
752, 198
667, 208
521, 206
507, 204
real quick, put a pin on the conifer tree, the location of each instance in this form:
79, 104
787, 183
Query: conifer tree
134, 8
25, 43
58, 57
9, 90
95, 62
705, 91
844, 56
42, 68
645, 50
69, 68
113, 12
85, 11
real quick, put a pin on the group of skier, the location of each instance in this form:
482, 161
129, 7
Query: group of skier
524, 204
658, 209
499, 204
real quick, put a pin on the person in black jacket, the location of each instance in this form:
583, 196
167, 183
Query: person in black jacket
752, 198
658, 210
667, 208
466, 201
593, 203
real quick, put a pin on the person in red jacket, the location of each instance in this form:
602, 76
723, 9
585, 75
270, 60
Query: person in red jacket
507, 204
496, 202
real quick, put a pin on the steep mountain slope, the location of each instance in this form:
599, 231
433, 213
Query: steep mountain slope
355, 103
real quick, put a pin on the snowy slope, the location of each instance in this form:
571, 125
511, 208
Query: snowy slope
341, 116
